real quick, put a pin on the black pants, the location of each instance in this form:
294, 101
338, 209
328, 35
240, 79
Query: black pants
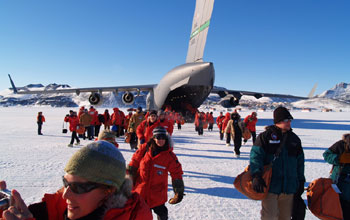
133, 141
210, 127
253, 136
200, 130
97, 130
228, 138
178, 126
238, 143
74, 136
345, 206
221, 135
39, 127
161, 211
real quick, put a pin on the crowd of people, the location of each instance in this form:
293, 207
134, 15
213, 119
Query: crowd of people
99, 185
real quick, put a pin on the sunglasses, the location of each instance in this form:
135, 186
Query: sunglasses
287, 120
80, 188
160, 137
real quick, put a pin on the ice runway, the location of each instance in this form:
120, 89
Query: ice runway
34, 164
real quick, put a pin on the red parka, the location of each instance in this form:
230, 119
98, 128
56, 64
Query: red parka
73, 122
135, 208
250, 122
210, 118
219, 121
145, 129
168, 125
225, 121
152, 179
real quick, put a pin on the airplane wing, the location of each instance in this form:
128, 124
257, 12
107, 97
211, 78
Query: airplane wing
136, 88
222, 92
200, 26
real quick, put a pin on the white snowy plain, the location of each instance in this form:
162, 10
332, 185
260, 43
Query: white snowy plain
34, 164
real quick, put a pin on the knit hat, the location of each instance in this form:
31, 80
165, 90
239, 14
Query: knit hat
153, 112
280, 114
107, 136
139, 109
98, 162
159, 131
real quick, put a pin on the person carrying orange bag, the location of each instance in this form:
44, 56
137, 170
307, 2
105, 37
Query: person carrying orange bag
339, 155
287, 180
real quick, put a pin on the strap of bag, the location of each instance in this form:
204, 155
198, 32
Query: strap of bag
279, 149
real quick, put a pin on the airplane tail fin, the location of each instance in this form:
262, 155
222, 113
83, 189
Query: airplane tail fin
13, 85
200, 26
312, 92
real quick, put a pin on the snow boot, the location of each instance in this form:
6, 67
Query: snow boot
70, 145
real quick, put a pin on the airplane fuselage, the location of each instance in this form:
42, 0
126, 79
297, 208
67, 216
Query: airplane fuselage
185, 87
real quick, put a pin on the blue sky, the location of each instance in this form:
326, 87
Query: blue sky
276, 46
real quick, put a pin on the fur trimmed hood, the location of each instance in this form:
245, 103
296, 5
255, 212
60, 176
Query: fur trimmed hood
119, 199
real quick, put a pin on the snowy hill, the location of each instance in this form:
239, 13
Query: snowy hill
340, 92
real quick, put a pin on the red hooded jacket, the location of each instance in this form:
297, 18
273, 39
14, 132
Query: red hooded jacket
152, 179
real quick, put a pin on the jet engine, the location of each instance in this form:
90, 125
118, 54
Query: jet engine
95, 98
230, 101
128, 98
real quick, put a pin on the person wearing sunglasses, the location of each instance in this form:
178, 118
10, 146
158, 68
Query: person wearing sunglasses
95, 187
149, 168
280, 146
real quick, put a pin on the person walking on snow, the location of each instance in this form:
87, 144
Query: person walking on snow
234, 130
279, 145
73, 123
250, 122
219, 122
40, 119
149, 168
339, 155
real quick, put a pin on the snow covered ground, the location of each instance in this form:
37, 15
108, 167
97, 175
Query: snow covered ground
34, 164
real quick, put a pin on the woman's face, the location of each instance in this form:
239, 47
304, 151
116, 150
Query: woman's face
80, 205
160, 140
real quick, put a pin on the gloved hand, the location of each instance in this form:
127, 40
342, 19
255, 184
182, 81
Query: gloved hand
142, 141
179, 188
132, 172
258, 184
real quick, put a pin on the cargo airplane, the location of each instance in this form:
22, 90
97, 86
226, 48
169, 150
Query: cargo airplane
185, 87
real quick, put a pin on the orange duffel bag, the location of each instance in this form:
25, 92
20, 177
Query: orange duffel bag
243, 183
323, 201
246, 134
80, 129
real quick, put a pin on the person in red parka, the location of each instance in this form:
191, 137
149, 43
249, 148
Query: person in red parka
224, 125
145, 129
210, 120
107, 120
149, 168
40, 119
117, 119
219, 122
73, 123
164, 122
94, 187
199, 121
250, 122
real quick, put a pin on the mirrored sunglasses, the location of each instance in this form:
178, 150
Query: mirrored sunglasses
160, 137
80, 188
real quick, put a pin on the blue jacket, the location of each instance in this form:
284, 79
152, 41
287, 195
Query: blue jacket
287, 168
